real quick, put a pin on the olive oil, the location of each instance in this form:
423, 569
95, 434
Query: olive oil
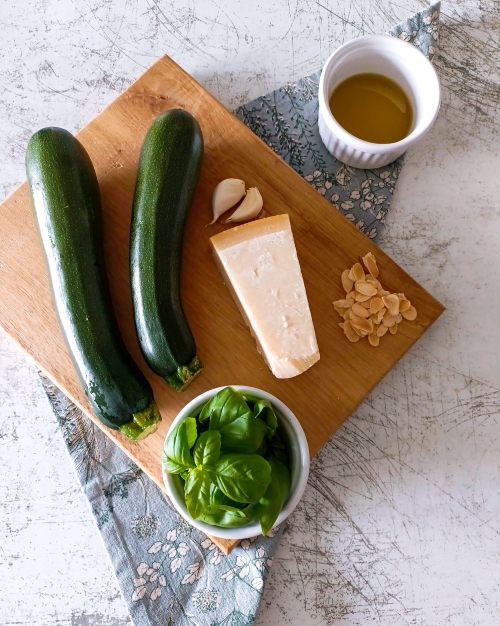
372, 107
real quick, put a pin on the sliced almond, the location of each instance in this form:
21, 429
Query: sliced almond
344, 304
358, 271
381, 330
389, 321
374, 282
362, 324
351, 276
393, 329
398, 318
392, 303
360, 297
410, 314
347, 283
359, 310
341, 311
347, 314
404, 305
366, 288
351, 297
386, 313
360, 332
382, 292
374, 340
350, 333
376, 304
371, 264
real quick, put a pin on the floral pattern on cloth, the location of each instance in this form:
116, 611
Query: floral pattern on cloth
287, 121
169, 572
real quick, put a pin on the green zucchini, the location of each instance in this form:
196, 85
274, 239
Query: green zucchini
66, 201
169, 168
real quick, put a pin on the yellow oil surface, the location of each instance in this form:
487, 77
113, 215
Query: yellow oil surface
372, 107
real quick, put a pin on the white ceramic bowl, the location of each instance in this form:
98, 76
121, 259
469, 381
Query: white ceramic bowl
297, 449
391, 57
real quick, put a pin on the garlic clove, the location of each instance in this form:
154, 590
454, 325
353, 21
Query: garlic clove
227, 193
249, 208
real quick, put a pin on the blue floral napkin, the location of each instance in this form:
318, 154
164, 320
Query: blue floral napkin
169, 572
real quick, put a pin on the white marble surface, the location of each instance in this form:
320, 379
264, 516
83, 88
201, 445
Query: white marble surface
399, 524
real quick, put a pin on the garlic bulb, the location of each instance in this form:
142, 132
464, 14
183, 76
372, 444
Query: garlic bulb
249, 208
227, 193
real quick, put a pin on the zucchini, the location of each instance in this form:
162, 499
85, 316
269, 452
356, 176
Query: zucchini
66, 201
169, 168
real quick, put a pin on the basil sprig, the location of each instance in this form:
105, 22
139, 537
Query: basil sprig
237, 469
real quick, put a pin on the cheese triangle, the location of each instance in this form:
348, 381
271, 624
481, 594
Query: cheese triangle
258, 262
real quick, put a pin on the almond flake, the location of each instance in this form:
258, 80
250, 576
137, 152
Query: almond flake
393, 329
366, 288
392, 303
382, 292
360, 297
376, 304
381, 330
410, 314
344, 304
350, 333
359, 310
351, 276
373, 340
404, 305
398, 318
350, 296
389, 321
358, 271
371, 264
362, 324
347, 283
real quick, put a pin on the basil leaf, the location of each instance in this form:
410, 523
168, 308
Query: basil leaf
177, 456
220, 498
242, 477
216, 516
207, 448
263, 409
185, 474
269, 506
280, 454
191, 431
262, 449
197, 492
233, 509
244, 435
225, 407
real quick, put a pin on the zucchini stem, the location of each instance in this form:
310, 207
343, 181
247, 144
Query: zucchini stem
185, 374
144, 423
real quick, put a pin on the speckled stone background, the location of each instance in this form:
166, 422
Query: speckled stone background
399, 524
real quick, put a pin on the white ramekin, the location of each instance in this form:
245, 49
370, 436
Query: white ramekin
391, 57
298, 451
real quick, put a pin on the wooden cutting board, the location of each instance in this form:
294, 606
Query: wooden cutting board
327, 243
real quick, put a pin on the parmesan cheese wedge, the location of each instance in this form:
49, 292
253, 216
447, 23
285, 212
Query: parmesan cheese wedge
258, 262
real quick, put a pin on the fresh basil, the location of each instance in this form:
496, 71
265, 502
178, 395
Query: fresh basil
244, 435
207, 448
269, 506
264, 410
242, 477
191, 431
220, 498
262, 449
197, 492
216, 516
225, 407
177, 456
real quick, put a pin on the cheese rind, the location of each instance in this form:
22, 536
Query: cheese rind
259, 264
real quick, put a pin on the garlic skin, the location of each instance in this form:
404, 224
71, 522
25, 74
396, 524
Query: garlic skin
227, 193
249, 208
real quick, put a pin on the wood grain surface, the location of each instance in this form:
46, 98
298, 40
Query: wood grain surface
327, 243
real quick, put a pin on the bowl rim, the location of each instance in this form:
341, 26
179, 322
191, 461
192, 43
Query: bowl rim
353, 141
250, 530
